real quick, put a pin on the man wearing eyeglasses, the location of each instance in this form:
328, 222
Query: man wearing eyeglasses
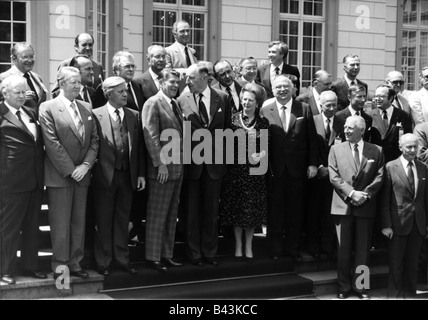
419, 99
124, 67
396, 80
23, 60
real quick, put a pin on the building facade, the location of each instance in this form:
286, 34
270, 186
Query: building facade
386, 34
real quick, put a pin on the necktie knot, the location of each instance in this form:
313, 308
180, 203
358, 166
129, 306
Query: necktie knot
284, 108
277, 71
18, 114
385, 114
117, 115
352, 83
357, 113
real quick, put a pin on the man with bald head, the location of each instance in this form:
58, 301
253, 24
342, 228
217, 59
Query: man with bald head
319, 225
23, 60
83, 45
225, 76
321, 83
294, 159
356, 171
405, 217
21, 184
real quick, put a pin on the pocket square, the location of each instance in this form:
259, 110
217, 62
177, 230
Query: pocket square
423, 179
370, 160
300, 118
219, 110
89, 118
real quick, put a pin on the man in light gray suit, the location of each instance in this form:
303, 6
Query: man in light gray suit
71, 142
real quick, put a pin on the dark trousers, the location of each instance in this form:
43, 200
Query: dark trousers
354, 236
19, 213
202, 203
285, 215
112, 211
403, 264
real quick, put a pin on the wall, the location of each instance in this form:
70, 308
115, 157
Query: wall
133, 31
246, 29
368, 28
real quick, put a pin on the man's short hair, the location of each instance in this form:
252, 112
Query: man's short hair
152, 48
110, 83
165, 74
14, 49
356, 88
358, 120
221, 61
391, 91
175, 25
117, 56
350, 56
76, 40
66, 72
283, 47
75, 61
325, 94
6, 84
319, 74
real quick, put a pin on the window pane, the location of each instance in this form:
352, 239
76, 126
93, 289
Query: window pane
5, 31
307, 44
307, 29
283, 6
4, 10
19, 11
19, 32
283, 27
294, 27
318, 9
307, 8
292, 58
294, 6
4, 52
410, 12
317, 46
165, 1
424, 13
293, 42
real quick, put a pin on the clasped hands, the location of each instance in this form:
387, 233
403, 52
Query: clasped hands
80, 172
358, 198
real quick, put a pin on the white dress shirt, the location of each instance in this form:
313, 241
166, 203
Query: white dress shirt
29, 123
113, 114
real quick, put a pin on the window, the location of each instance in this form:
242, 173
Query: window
414, 54
166, 12
98, 27
13, 28
301, 27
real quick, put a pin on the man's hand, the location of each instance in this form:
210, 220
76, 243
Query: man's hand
358, 198
258, 156
312, 172
162, 174
387, 232
80, 172
141, 183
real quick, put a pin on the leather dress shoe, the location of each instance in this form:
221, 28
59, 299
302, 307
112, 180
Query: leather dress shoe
158, 266
104, 271
197, 262
249, 260
7, 278
171, 263
363, 295
343, 295
34, 274
128, 269
80, 274
211, 261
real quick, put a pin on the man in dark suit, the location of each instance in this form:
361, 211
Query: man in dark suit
223, 72
319, 225
357, 96
21, 181
266, 74
165, 178
124, 67
405, 217
71, 144
293, 159
321, 83
388, 122
156, 58
351, 66
23, 59
356, 170
119, 171
209, 109
83, 45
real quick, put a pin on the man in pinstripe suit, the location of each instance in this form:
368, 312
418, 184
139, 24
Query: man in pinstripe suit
160, 113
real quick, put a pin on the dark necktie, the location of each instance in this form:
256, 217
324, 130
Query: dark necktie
411, 177
328, 130
203, 110
352, 83
176, 110
118, 119
385, 119
188, 61
397, 103
130, 93
277, 71
357, 156
77, 121
31, 85
357, 113
284, 117
231, 101
86, 95
18, 114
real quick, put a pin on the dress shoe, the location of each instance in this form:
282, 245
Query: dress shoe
239, 258
171, 263
34, 274
249, 260
197, 262
80, 274
343, 294
157, 265
104, 271
128, 269
363, 295
7, 278
276, 258
211, 261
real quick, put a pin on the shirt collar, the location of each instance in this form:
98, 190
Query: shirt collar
65, 100
288, 105
349, 80
325, 118
316, 95
112, 111
207, 92
389, 111
360, 145
12, 109
405, 162
353, 112
154, 75
166, 97
232, 87
15, 69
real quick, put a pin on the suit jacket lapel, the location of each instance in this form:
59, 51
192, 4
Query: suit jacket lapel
104, 118
180, 55
130, 123
165, 105
402, 174
86, 118
13, 119
319, 125
420, 170
293, 118
350, 157
379, 123
214, 105
149, 82
275, 114
393, 122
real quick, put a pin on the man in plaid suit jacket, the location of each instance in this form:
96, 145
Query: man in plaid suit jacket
161, 113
